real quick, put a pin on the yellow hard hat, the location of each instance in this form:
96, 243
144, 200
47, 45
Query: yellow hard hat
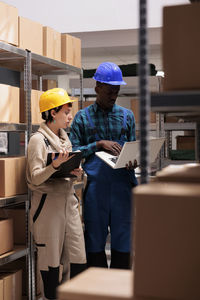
53, 98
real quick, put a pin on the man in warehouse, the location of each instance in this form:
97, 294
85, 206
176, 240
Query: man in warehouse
107, 197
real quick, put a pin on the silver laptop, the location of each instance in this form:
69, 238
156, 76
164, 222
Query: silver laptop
131, 151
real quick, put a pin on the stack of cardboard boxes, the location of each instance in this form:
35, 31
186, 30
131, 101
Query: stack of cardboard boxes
43, 40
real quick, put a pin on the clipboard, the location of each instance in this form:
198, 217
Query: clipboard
66, 167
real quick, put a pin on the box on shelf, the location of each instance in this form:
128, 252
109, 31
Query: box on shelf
85, 104
167, 241
12, 285
21, 264
181, 47
19, 223
30, 35
98, 283
185, 142
135, 109
9, 102
8, 24
51, 43
6, 235
35, 111
180, 173
48, 84
71, 50
12, 176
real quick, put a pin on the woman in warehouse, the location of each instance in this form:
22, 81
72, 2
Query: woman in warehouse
54, 215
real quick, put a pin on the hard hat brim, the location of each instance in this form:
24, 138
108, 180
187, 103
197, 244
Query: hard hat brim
112, 82
67, 101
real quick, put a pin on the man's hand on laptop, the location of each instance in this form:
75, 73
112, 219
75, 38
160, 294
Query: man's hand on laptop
131, 166
110, 146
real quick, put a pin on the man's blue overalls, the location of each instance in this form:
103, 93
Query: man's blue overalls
107, 201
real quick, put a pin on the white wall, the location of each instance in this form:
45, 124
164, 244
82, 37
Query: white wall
90, 15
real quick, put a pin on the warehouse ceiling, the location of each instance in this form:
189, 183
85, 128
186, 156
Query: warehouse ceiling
119, 46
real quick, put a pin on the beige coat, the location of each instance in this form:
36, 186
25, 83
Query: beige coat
54, 217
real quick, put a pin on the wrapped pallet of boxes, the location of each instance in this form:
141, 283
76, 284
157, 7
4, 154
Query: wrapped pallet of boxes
30, 35
51, 43
12, 176
12, 285
6, 235
35, 111
9, 102
8, 24
167, 241
71, 50
181, 47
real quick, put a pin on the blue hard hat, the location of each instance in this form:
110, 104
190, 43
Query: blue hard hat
109, 73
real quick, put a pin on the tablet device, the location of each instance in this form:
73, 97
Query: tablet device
66, 167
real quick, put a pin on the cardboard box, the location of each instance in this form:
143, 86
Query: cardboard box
181, 47
48, 84
30, 35
9, 102
18, 215
35, 111
180, 173
12, 176
135, 108
51, 43
71, 50
6, 235
184, 142
12, 285
167, 241
98, 283
8, 24
22, 264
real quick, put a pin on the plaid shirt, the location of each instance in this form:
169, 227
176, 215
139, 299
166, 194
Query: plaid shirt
108, 125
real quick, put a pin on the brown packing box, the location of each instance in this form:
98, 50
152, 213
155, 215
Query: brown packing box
8, 24
51, 43
180, 173
12, 285
75, 106
1, 289
71, 50
9, 101
35, 111
185, 142
30, 35
6, 235
135, 109
167, 241
12, 176
22, 264
181, 47
19, 223
85, 104
49, 84
98, 283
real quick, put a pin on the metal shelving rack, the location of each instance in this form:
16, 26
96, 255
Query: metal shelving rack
184, 104
21, 60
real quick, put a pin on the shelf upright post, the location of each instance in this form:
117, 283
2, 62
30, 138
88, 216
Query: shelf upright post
144, 95
27, 90
81, 89
197, 142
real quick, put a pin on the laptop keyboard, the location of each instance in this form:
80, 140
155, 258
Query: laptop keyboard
114, 159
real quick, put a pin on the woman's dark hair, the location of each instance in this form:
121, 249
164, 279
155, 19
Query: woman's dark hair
46, 115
